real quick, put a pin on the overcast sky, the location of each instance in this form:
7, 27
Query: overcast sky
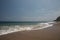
29, 10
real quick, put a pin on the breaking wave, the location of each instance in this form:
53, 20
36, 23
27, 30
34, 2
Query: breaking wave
15, 28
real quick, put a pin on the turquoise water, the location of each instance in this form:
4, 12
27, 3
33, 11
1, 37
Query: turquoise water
20, 23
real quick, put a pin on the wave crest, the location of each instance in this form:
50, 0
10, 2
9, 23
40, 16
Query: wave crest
15, 28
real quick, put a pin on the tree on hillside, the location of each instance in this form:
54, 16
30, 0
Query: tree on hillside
58, 19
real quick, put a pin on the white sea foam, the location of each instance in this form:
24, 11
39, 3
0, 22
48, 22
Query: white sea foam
10, 29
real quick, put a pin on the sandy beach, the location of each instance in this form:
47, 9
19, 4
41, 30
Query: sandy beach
50, 33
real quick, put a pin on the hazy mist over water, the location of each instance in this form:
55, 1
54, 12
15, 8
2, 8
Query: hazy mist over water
29, 10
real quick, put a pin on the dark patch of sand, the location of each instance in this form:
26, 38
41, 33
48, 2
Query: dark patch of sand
50, 33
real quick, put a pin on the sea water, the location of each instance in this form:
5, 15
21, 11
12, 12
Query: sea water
9, 27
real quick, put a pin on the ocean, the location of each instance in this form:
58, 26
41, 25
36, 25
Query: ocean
10, 27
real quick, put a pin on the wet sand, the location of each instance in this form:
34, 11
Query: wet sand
50, 33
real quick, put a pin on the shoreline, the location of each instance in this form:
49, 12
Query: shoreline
50, 33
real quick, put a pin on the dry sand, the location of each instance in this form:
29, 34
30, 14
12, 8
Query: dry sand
50, 33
